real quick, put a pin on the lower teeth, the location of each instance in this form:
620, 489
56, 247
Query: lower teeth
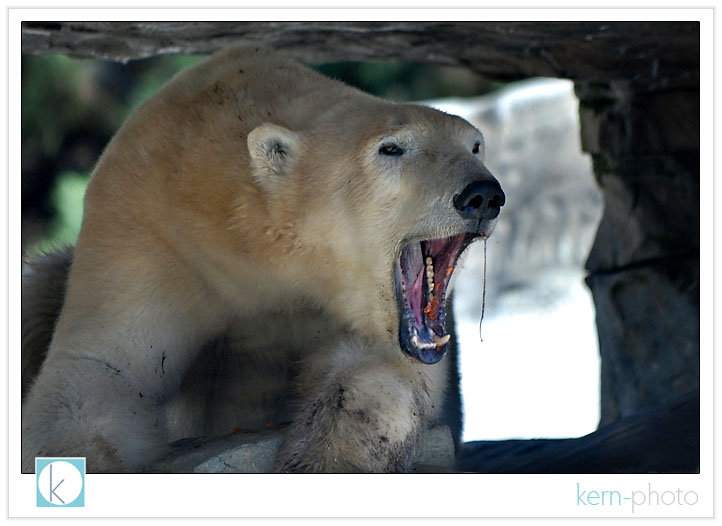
438, 341
420, 345
441, 340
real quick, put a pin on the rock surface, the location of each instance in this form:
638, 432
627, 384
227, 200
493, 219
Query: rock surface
254, 453
647, 53
654, 441
644, 266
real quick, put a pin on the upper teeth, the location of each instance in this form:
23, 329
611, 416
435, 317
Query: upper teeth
430, 277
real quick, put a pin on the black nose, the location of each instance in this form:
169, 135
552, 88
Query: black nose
480, 200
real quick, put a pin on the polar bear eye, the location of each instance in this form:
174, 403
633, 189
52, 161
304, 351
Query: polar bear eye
390, 149
475, 149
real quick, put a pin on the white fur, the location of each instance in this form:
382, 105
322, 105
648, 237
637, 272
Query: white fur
244, 217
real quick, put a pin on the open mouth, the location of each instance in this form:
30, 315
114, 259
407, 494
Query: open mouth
423, 271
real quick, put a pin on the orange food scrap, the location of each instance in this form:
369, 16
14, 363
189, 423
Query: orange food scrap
449, 270
235, 430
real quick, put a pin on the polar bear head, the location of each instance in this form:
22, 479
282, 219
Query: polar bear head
383, 199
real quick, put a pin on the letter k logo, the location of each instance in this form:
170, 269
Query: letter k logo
60, 482
54, 489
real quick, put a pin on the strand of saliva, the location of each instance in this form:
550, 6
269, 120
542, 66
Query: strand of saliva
483, 294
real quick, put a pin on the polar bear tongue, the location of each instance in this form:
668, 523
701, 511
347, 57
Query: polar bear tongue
423, 272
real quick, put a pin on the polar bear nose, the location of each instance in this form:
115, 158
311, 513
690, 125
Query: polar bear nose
480, 200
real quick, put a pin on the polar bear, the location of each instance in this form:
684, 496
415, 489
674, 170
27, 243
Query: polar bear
285, 235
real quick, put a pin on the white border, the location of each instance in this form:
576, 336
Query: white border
370, 495
355, 14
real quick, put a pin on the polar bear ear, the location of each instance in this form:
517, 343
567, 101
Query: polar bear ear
273, 151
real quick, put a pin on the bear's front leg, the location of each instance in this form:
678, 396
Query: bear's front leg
93, 408
362, 411
101, 390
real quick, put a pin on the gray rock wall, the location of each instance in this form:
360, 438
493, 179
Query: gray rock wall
644, 265
254, 452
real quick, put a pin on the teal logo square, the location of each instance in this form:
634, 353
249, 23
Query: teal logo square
60, 482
